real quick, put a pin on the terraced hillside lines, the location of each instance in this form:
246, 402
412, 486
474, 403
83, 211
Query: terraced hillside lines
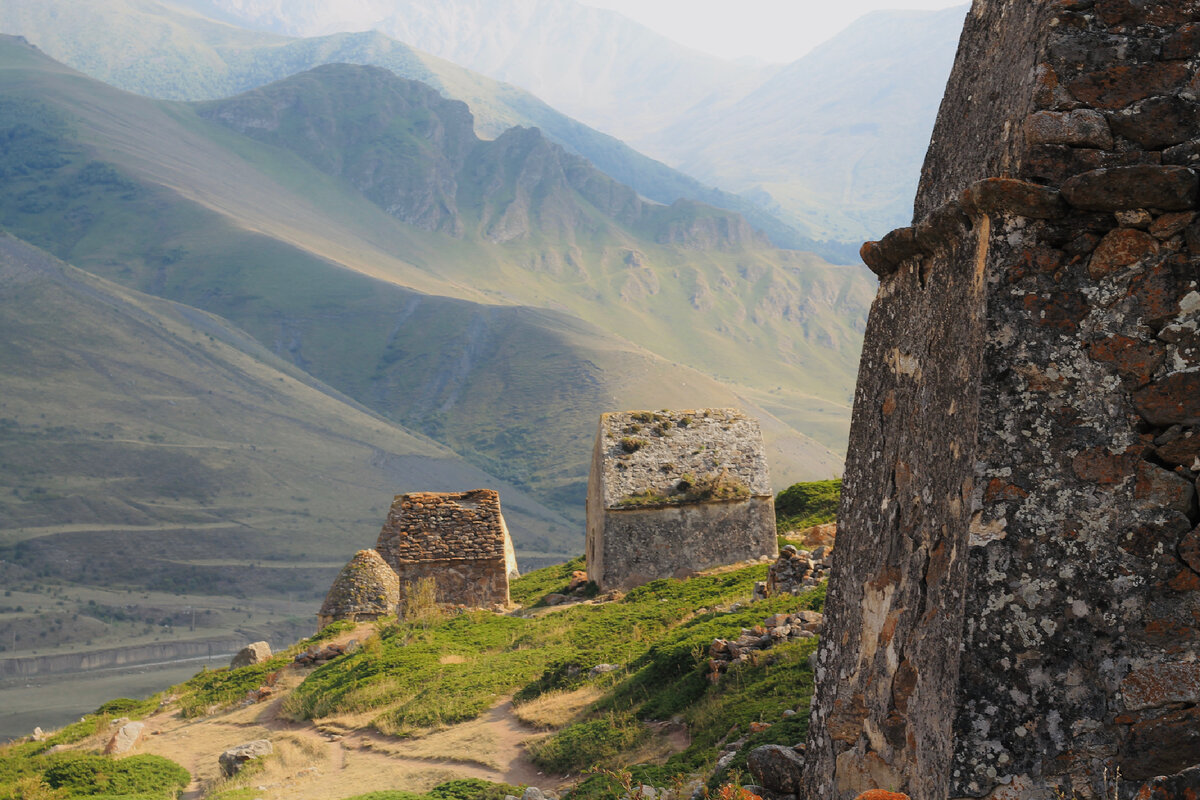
188, 442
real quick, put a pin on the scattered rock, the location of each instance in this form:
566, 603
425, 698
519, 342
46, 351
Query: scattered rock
881, 794
776, 767
255, 653
579, 582
601, 669
776, 628
235, 758
38, 734
554, 599
316, 655
127, 737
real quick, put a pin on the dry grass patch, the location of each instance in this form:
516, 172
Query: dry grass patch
469, 742
452, 658
557, 709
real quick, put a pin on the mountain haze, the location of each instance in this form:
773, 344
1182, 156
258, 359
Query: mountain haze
154, 196
169, 52
593, 64
835, 140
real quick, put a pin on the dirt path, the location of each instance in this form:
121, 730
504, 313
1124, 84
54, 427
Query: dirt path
342, 757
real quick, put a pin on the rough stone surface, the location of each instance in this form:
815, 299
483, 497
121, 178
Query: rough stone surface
776, 768
253, 653
1171, 188
1014, 603
674, 492
235, 758
367, 588
127, 737
459, 539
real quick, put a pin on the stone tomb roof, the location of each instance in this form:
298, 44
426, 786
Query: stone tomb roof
367, 585
655, 453
431, 526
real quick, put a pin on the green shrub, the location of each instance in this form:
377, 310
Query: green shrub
588, 744
85, 775
473, 789
803, 505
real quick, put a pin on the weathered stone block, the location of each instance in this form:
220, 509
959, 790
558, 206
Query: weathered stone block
674, 492
1170, 188
254, 653
1010, 196
1173, 400
1157, 122
1079, 128
1119, 86
1120, 249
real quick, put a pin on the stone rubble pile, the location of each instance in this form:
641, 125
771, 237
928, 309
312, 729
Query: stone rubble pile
776, 628
316, 655
797, 571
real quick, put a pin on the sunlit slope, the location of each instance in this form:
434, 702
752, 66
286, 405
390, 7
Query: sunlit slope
167, 51
154, 196
137, 431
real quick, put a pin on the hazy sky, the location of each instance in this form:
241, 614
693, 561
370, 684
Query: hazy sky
771, 30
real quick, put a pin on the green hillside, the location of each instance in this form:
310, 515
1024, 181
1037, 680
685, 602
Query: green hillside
152, 195
421, 710
168, 479
162, 50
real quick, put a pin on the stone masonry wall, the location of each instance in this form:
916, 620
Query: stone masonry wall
459, 539
673, 492
1021, 486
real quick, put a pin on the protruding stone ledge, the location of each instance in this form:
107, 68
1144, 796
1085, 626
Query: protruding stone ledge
884, 256
1082, 127
942, 226
1012, 196
1170, 188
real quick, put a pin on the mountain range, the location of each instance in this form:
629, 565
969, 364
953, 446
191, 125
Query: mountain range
169, 52
826, 143
266, 282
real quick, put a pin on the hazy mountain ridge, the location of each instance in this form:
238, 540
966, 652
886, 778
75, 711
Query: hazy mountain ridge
835, 139
415, 154
594, 64
161, 50
308, 269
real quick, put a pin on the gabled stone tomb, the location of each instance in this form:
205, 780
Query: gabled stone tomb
459, 539
674, 492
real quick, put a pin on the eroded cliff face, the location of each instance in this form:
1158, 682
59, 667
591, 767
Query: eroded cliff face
1015, 606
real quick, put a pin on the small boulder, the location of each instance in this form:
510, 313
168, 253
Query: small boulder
255, 653
38, 735
126, 738
601, 669
533, 793
776, 768
234, 759
554, 599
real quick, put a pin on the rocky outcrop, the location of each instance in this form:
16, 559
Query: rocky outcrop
1012, 608
796, 571
127, 737
776, 629
234, 760
254, 653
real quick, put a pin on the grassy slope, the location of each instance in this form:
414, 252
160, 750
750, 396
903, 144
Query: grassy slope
431, 672
151, 447
216, 220
162, 51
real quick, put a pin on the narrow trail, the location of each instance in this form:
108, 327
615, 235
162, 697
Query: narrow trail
342, 757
